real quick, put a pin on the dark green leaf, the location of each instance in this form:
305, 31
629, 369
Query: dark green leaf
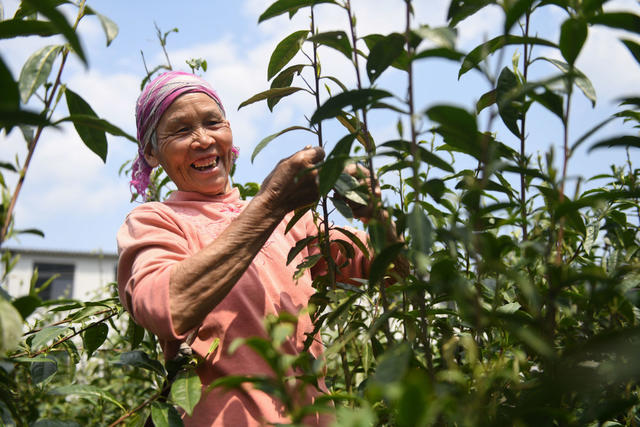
458, 127
94, 337
285, 51
33, 231
135, 334
334, 164
300, 245
94, 122
382, 261
508, 108
288, 6
10, 326
355, 240
551, 101
439, 52
140, 359
26, 305
356, 99
271, 93
10, 99
36, 70
19, 28
619, 141
515, 11
634, 48
270, 138
573, 34
337, 40
40, 371
164, 415
284, 79
462, 9
8, 119
58, 20
620, 20
383, 54
94, 138
486, 100
423, 154
186, 390
479, 53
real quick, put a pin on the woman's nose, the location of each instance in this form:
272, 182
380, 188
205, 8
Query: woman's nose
201, 138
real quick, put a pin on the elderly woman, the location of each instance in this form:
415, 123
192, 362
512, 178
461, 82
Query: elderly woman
207, 262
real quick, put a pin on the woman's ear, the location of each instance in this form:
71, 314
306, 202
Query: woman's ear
150, 155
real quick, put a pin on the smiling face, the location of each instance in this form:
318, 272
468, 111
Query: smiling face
194, 145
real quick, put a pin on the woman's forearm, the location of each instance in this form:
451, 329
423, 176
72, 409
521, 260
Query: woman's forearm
200, 282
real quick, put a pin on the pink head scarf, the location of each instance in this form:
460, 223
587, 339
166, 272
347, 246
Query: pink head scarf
154, 100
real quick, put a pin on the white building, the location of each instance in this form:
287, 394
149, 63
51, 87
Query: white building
79, 275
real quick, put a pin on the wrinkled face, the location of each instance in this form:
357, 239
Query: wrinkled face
194, 145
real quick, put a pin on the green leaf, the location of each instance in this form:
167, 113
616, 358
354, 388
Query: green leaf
300, 245
164, 415
515, 11
634, 48
93, 122
262, 144
617, 141
424, 155
439, 52
27, 304
444, 37
458, 127
573, 34
486, 100
87, 391
580, 80
620, 20
140, 359
393, 365
40, 371
46, 335
10, 327
509, 308
549, 100
110, 28
20, 28
10, 99
271, 93
285, 51
479, 53
58, 20
382, 261
135, 334
186, 390
420, 230
356, 99
36, 70
94, 337
462, 9
288, 6
384, 53
507, 106
17, 117
284, 79
93, 137
337, 40
334, 165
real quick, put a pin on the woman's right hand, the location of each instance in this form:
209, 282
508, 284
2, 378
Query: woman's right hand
293, 183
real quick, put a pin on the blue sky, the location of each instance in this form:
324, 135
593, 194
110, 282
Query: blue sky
79, 202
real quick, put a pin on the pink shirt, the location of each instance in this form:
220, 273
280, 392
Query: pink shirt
155, 236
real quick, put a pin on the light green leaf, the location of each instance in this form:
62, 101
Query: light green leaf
36, 70
86, 391
590, 238
164, 415
509, 308
186, 390
580, 80
44, 336
93, 137
110, 28
420, 230
441, 36
262, 144
10, 326
285, 51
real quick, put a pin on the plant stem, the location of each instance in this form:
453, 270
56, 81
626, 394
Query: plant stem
565, 165
523, 127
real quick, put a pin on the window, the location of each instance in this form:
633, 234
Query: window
61, 286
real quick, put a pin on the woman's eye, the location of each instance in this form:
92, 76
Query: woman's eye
182, 130
211, 123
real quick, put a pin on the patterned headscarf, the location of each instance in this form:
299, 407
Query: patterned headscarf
154, 100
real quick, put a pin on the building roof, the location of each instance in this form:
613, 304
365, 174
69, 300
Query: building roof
60, 252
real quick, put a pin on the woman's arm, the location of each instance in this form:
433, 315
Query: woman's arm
200, 282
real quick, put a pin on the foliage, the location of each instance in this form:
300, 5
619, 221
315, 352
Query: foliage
519, 304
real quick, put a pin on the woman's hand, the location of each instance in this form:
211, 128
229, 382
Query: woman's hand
363, 212
293, 183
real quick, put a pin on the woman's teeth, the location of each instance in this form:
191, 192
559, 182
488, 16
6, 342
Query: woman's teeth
208, 164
